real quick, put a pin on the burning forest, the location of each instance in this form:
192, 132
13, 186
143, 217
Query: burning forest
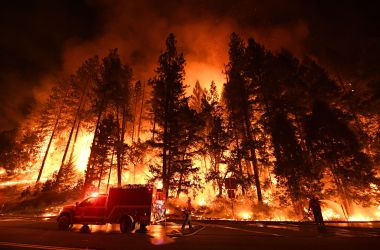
255, 135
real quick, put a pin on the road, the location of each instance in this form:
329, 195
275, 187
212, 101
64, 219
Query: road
36, 233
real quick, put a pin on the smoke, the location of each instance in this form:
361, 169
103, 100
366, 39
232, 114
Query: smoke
58, 44
139, 29
59, 36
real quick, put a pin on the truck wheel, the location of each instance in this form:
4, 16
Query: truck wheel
126, 224
64, 223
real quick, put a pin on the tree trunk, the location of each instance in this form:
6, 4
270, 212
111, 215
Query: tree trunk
51, 137
89, 163
75, 139
48, 146
154, 128
254, 161
109, 172
77, 118
164, 156
100, 176
118, 149
179, 185
342, 191
134, 117
59, 175
240, 166
181, 177
141, 111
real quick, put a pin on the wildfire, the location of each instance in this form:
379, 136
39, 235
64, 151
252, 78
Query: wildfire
159, 184
83, 151
330, 214
16, 182
201, 202
244, 215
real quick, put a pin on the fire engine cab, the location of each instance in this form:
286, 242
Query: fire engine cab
125, 206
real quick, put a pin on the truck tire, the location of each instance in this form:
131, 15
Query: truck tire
64, 222
126, 224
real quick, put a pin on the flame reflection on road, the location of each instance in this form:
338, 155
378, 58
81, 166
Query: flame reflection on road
158, 234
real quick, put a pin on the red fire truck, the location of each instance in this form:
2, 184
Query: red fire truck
125, 206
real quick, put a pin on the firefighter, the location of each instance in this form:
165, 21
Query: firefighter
187, 213
315, 207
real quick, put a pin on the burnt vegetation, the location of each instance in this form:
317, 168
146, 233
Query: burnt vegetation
281, 126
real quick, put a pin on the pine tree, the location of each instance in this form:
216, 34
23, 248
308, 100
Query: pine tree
186, 143
216, 136
118, 78
101, 153
168, 96
237, 99
196, 97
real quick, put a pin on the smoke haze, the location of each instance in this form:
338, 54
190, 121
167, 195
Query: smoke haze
44, 38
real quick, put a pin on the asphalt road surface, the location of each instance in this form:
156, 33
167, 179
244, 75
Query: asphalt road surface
37, 233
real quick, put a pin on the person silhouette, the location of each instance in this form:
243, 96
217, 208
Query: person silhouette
187, 213
315, 207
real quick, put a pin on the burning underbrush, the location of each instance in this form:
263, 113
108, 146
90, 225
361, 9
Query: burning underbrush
38, 200
245, 209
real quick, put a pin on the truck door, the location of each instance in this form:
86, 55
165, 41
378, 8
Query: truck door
81, 210
91, 210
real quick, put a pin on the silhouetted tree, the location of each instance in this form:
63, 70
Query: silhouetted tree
101, 153
186, 143
118, 78
168, 96
217, 138
335, 146
196, 97
237, 98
